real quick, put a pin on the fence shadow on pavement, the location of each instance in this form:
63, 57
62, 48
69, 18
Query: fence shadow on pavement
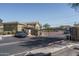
40, 42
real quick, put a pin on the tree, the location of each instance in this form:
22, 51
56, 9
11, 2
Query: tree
1, 20
75, 6
47, 27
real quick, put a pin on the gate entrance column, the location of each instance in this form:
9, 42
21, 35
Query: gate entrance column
29, 32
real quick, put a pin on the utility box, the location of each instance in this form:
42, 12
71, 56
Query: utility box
74, 32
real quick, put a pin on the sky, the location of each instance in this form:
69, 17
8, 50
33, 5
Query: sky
55, 14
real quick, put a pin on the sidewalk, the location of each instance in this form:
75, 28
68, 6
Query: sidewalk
5, 35
49, 49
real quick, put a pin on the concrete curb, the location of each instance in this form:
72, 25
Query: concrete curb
49, 49
3, 36
44, 50
6, 35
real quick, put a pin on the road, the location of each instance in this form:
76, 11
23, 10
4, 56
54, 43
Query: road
13, 46
19, 46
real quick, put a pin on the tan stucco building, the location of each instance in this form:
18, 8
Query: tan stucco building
1, 28
10, 27
32, 28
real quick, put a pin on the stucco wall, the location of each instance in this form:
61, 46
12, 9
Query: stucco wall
51, 34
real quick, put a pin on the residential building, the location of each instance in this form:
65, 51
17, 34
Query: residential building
33, 28
1, 28
76, 25
65, 27
12, 27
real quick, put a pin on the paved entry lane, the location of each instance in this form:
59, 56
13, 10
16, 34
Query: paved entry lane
12, 49
12, 45
13, 39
